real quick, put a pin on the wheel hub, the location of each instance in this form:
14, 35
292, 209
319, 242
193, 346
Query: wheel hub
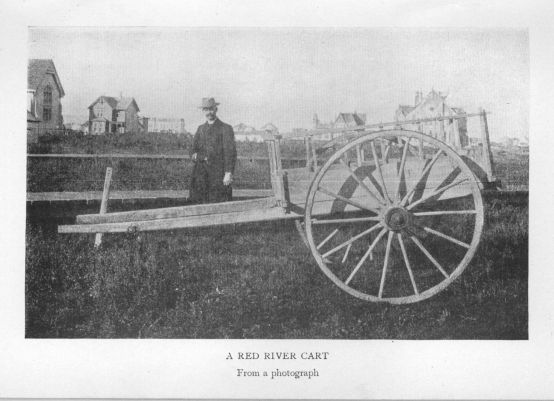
397, 218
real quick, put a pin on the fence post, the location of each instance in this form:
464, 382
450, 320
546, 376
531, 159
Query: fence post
104, 203
487, 154
276, 171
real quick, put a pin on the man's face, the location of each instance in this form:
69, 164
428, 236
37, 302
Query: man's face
210, 113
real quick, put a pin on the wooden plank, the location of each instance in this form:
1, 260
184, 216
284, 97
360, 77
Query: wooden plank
104, 203
207, 220
176, 212
124, 195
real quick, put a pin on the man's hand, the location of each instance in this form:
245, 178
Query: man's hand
228, 179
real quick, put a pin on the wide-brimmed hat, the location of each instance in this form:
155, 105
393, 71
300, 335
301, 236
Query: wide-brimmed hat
208, 102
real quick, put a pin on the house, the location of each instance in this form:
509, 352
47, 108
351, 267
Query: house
109, 114
349, 120
247, 133
269, 127
452, 131
167, 125
85, 127
343, 120
44, 93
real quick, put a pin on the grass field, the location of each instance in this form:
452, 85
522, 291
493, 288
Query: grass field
259, 281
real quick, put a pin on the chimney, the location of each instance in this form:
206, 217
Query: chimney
417, 98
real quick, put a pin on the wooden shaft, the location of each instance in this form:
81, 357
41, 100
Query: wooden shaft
179, 211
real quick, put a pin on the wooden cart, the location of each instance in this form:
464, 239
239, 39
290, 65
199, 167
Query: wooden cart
391, 215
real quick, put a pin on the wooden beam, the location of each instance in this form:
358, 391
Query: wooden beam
177, 212
104, 203
356, 130
249, 216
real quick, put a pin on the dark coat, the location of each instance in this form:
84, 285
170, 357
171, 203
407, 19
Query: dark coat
216, 152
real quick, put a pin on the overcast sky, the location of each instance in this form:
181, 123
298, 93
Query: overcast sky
284, 76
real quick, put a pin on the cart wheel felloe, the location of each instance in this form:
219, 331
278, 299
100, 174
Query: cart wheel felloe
394, 216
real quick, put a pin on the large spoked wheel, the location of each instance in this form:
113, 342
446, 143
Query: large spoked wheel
394, 216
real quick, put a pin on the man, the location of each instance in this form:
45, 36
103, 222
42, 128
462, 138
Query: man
214, 154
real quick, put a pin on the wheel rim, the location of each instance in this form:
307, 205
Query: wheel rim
399, 230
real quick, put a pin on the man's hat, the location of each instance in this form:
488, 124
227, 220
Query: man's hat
208, 103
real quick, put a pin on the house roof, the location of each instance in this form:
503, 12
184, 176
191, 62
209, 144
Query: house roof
405, 109
350, 119
241, 127
269, 127
37, 70
458, 110
121, 103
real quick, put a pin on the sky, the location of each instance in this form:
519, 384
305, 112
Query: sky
284, 76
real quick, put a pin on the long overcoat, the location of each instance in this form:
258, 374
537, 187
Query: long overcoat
214, 145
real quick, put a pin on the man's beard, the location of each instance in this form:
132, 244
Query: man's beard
210, 117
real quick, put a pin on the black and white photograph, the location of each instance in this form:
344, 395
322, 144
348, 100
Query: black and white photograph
277, 183
220, 199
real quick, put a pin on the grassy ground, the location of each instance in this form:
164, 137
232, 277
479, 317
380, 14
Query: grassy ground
259, 281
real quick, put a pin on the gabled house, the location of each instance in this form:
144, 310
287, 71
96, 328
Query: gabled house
44, 93
247, 133
108, 114
343, 120
349, 120
452, 131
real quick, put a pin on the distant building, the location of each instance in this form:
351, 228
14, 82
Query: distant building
247, 133
452, 131
44, 93
349, 120
166, 125
343, 120
269, 127
85, 127
108, 114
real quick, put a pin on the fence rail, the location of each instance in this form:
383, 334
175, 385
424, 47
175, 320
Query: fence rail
145, 156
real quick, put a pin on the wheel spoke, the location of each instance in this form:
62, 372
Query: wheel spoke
379, 172
328, 238
435, 193
386, 153
385, 265
407, 262
441, 212
425, 170
401, 170
350, 220
361, 183
346, 253
447, 237
349, 201
431, 258
351, 240
368, 253
359, 155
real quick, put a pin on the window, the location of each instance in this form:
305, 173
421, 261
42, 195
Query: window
47, 95
47, 114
